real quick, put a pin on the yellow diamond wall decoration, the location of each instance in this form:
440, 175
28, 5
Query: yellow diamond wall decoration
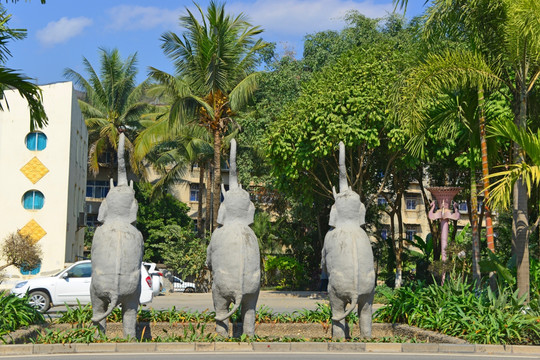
33, 230
34, 170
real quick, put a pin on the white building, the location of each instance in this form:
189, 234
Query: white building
43, 182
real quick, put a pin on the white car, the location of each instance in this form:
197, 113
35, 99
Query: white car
157, 277
183, 286
68, 286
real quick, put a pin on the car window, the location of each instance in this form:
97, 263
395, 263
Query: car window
81, 270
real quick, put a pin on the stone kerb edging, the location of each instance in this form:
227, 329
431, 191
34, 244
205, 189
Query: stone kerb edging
304, 347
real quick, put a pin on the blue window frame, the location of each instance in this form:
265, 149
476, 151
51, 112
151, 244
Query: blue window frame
33, 271
194, 192
97, 189
33, 200
410, 203
36, 141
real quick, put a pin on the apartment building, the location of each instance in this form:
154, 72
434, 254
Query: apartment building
44, 177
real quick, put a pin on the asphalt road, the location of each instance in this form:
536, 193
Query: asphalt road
277, 301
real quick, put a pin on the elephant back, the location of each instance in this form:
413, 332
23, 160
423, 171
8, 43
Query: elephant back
349, 260
235, 259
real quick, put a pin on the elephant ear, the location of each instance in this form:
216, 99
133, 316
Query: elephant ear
333, 216
250, 214
132, 217
362, 214
221, 215
103, 211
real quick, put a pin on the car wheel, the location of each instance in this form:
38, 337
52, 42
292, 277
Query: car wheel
189, 290
40, 300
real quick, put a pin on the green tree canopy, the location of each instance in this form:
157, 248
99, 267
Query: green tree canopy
155, 215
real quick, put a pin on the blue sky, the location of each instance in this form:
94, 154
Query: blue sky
61, 32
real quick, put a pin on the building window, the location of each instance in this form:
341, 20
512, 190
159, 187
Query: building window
193, 192
410, 234
91, 220
36, 141
33, 271
384, 234
195, 228
33, 200
381, 201
411, 203
97, 189
462, 206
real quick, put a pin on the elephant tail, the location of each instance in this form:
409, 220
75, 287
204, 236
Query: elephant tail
354, 302
237, 303
112, 305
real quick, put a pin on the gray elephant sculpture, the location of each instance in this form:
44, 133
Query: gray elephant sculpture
117, 251
233, 257
347, 258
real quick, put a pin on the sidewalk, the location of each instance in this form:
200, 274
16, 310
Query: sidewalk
257, 347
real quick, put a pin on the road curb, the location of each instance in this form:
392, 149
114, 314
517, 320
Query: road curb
304, 347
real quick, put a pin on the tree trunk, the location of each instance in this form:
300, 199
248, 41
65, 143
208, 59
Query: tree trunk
200, 225
217, 178
485, 174
477, 276
520, 223
399, 247
209, 187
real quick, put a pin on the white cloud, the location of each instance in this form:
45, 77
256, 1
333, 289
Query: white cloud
292, 18
57, 32
127, 17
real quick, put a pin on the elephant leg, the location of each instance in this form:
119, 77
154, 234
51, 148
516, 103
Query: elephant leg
365, 314
221, 306
249, 310
99, 306
340, 329
129, 316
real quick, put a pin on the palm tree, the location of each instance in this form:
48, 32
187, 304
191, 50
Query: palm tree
112, 101
11, 79
506, 35
528, 171
214, 59
437, 85
171, 152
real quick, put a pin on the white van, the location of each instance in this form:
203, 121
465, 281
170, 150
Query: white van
70, 285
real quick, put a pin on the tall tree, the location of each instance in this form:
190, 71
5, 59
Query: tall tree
214, 59
11, 79
112, 100
506, 34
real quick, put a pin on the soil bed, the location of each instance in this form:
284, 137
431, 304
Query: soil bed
269, 331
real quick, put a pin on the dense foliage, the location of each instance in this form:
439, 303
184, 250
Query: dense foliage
16, 312
456, 310
183, 253
155, 215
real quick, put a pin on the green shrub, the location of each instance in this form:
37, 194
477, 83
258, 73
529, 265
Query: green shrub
383, 294
16, 312
455, 310
284, 272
